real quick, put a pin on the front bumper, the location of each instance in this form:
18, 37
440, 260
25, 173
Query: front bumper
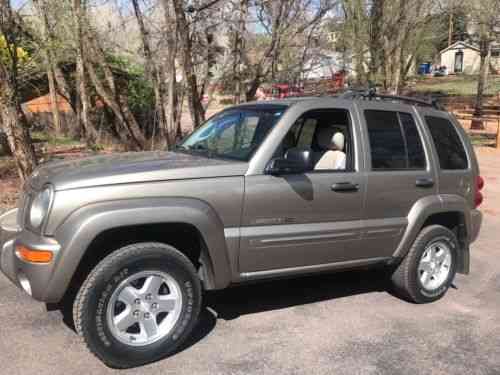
31, 277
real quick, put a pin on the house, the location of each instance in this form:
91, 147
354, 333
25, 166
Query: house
43, 104
39, 111
462, 57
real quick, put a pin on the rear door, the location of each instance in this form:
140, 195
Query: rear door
399, 172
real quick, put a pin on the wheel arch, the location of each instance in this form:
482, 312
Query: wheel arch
450, 211
111, 225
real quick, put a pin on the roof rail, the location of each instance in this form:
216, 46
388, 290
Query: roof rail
371, 94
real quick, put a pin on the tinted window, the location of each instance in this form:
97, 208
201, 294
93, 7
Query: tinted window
416, 156
450, 149
386, 140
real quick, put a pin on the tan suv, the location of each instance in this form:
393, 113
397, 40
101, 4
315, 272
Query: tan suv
261, 190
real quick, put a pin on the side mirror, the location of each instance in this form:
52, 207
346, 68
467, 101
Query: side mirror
295, 161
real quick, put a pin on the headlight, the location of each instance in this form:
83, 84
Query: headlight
40, 207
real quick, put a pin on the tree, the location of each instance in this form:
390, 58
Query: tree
83, 102
13, 120
185, 44
486, 15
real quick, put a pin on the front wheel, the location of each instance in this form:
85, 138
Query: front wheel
428, 270
138, 305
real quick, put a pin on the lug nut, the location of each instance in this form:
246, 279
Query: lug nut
136, 314
149, 297
147, 315
154, 305
137, 301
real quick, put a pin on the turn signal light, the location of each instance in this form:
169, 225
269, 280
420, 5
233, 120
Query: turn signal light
33, 256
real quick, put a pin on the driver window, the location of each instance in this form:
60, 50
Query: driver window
327, 133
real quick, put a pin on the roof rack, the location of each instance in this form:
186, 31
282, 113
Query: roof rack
371, 94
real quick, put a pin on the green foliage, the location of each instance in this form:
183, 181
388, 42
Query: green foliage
6, 51
139, 88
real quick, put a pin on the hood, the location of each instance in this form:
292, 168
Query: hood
132, 167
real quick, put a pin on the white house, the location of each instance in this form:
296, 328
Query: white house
462, 57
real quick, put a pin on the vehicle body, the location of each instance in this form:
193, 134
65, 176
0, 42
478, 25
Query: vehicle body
255, 214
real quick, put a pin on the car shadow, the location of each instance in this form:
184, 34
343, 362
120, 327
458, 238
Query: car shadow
231, 303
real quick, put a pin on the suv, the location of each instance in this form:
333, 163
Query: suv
261, 190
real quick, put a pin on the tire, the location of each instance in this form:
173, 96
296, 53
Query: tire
117, 277
407, 278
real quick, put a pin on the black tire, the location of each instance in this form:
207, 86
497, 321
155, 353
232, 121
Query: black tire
405, 278
90, 306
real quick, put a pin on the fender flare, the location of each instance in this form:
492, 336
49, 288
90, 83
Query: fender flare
425, 208
78, 231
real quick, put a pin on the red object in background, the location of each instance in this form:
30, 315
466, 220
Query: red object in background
339, 79
284, 90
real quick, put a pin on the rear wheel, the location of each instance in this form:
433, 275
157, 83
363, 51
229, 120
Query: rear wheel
138, 305
428, 270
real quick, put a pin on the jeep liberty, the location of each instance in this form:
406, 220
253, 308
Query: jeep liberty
261, 190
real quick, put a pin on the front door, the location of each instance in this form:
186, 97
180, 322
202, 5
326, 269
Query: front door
306, 219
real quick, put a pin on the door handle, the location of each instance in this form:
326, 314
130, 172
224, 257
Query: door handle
424, 182
345, 186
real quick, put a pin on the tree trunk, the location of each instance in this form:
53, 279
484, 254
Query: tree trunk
155, 76
54, 105
239, 40
477, 122
169, 74
48, 40
89, 131
16, 128
450, 28
194, 98
375, 38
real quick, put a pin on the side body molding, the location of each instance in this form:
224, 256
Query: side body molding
77, 232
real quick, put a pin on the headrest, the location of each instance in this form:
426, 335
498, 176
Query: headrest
338, 141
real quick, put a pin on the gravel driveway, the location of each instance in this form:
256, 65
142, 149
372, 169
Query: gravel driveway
333, 324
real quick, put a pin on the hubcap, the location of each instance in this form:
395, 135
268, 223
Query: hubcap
435, 265
144, 308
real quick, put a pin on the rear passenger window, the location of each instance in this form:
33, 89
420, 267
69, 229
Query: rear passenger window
449, 148
394, 141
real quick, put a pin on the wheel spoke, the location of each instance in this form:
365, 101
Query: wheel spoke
124, 320
425, 277
149, 327
441, 256
152, 285
128, 295
166, 303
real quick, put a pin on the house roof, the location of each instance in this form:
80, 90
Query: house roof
44, 104
460, 45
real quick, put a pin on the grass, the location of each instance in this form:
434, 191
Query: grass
53, 140
460, 85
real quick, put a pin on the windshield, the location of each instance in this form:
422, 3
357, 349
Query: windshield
235, 133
